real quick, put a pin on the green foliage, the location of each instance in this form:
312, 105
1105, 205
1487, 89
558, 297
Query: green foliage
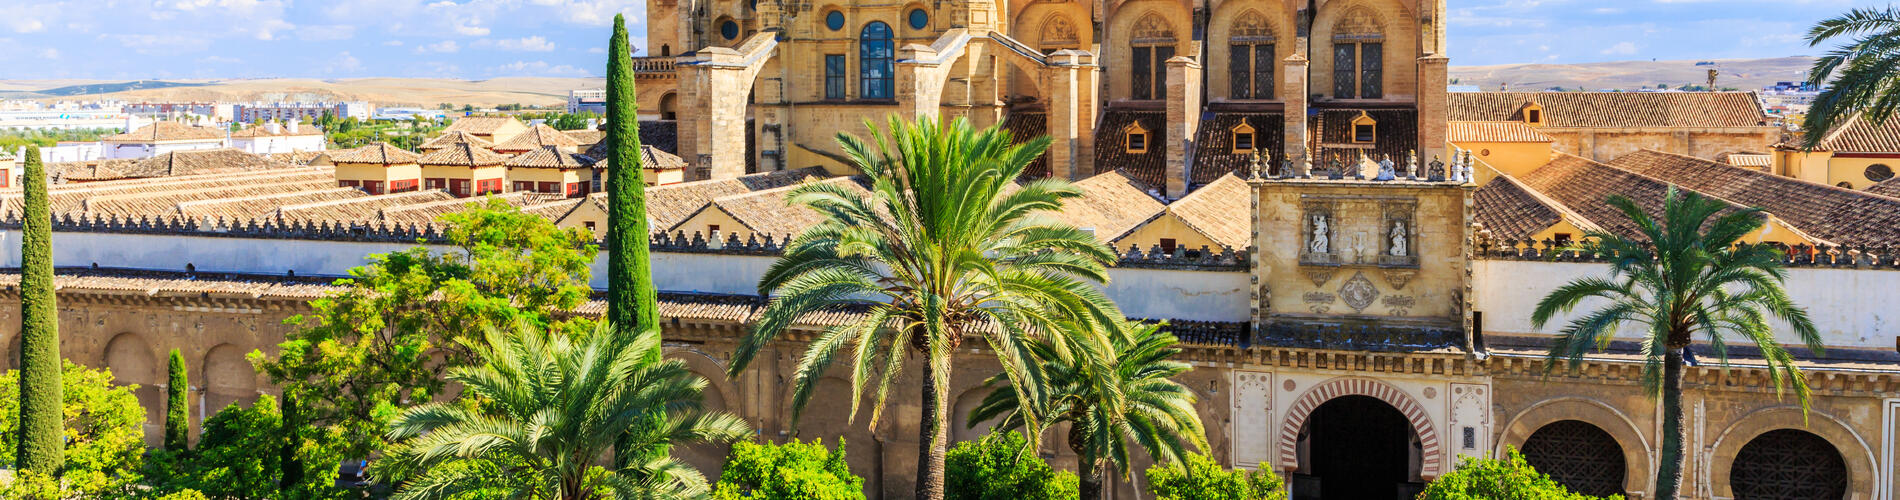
185, 495
1203, 479
177, 405
1509, 478
1003, 466
233, 458
409, 316
545, 408
103, 431
13, 139
1856, 77
791, 471
40, 391
631, 297
562, 120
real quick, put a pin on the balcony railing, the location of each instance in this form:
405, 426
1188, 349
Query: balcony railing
653, 65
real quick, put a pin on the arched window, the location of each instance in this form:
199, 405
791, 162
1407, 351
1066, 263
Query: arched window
1578, 455
1788, 463
1358, 56
1153, 44
666, 50
876, 77
1059, 33
1251, 57
1878, 172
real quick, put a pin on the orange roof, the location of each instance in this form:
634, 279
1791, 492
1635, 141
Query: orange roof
1495, 132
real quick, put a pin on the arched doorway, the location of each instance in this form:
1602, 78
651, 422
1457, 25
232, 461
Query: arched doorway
1579, 456
1357, 447
133, 361
1788, 464
227, 379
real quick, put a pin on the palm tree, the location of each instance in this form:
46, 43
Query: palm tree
945, 245
1132, 401
1685, 274
545, 412
1863, 71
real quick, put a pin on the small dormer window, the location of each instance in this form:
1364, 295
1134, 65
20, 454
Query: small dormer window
1243, 138
1533, 114
1137, 140
1365, 130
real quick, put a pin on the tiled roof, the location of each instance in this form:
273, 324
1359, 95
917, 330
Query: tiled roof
769, 212
1838, 215
663, 134
244, 208
462, 155
423, 213
1889, 188
1026, 125
1613, 109
202, 161
547, 157
363, 208
1758, 161
652, 158
299, 157
1585, 187
1511, 211
454, 137
1219, 210
381, 153
1860, 135
1112, 204
165, 203
537, 137
70, 198
1214, 154
169, 131
1495, 132
1111, 148
282, 131
480, 124
87, 171
1396, 136
586, 138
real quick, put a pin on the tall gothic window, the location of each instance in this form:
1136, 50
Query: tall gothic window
1250, 58
1358, 56
834, 76
876, 76
1153, 45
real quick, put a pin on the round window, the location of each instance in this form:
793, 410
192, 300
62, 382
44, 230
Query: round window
729, 29
834, 20
1484, 152
1879, 172
919, 19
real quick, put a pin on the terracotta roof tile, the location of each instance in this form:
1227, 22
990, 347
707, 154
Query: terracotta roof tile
1219, 210
1512, 211
586, 138
202, 161
1214, 155
365, 208
165, 203
462, 155
1614, 109
770, 212
244, 208
282, 131
381, 153
169, 131
671, 204
1495, 132
1111, 148
480, 124
1860, 135
537, 137
1112, 204
652, 158
547, 157
1397, 136
1026, 125
1889, 188
1839, 215
427, 212
454, 137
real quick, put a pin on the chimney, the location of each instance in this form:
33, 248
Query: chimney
274, 128
293, 126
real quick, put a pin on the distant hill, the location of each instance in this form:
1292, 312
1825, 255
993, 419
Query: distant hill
1743, 74
423, 92
108, 88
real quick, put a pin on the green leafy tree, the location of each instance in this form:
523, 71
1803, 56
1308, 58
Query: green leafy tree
408, 316
1508, 478
791, 471
1003, 466
544, 409
103, 427
1125, 398
1686, 274
944, 246
631, 297
1858, 75
1202, 479
177, 405
230, 460
40, 393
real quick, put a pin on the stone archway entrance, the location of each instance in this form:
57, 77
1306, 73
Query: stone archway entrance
1791, 464
1357, 447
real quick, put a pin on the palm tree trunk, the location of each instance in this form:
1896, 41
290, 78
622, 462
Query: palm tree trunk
1669, 475
934, 435
1091, 479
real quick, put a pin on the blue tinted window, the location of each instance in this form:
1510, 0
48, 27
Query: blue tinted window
919, 19
834, 20
729, 29
875, 73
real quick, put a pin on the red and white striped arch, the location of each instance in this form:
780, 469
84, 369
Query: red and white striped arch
1352, 386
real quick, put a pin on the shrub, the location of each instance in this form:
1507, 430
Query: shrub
103, 430
791, 471
1205, 480
1508, 478
240, 455
1002, 466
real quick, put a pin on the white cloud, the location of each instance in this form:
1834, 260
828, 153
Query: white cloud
326, 32
529, 44
344, 63
442, 47
25, 25
219, 60
537, 68
1621, 49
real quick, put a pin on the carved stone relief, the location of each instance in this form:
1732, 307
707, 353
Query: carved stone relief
1358, 292
1253, 422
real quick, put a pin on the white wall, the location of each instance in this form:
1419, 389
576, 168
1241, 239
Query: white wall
1851, 308
1142, 293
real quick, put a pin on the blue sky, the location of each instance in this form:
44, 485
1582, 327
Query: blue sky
476, 39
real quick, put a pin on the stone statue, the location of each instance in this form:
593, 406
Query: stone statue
1437, 171
1398, 238
1459, 166
1255, 165
1411, 165
1386, 172
1319, 243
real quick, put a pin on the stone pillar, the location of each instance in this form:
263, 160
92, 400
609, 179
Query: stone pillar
1184, 119
920, 77
712, 132
1433, 107
1069, 82
1294, 94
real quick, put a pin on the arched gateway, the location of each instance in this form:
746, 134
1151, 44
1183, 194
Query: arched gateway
1357, 438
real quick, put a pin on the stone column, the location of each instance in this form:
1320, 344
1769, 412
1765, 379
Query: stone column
1294, 94
713, 132
1433, 107
920, 78
1065, 125
1184, 119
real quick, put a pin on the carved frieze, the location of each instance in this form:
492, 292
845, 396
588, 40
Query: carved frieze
1358, 292
1319, 277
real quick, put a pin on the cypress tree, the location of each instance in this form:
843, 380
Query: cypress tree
177, 409
631, 297
42, 448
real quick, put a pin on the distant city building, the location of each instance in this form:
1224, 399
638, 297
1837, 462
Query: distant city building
67, 151
406, 114
160, 138
591, 100
293, 111
60, 119
216, 111
278, 137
